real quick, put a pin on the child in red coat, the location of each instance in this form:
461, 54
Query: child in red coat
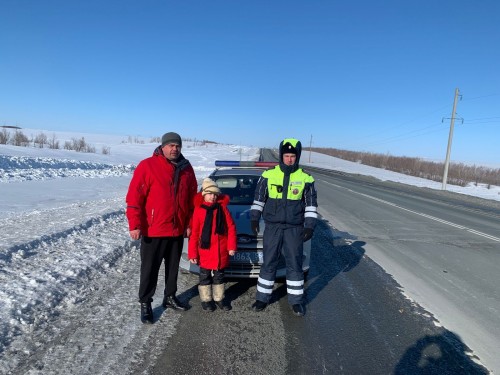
212, 242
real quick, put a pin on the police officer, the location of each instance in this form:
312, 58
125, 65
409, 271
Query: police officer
286, 198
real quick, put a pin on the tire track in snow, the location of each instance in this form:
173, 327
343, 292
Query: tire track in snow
72, 297
31, 248
70, 300
51, 273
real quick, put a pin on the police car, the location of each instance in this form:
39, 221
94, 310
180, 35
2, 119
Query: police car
238, 180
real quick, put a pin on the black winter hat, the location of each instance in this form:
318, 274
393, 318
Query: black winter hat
171, 137
287, 148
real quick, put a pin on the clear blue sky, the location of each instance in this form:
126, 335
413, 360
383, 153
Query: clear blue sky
375, 76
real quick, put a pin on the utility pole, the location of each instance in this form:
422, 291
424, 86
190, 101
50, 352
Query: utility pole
310, 145
450, 138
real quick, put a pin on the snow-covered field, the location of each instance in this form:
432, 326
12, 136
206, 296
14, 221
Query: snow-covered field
68, 269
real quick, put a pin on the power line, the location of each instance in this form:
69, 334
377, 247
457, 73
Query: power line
398, 126
407, 135
481, 97
400, 137
484, 120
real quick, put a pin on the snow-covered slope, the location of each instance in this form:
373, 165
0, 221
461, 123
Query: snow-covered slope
68, 269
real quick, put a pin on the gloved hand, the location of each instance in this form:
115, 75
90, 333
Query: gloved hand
255, 226
307, 234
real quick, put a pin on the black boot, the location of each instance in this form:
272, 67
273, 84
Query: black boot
146, 312
206, 297
259, 306
299, 309
223, 305
173, 303
218, 292
208, 306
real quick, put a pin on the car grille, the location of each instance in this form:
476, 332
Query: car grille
248, 270
242, 270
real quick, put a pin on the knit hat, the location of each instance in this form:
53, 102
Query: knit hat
209, 186
287, 148
171, 137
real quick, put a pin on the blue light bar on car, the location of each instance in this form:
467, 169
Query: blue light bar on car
236, 163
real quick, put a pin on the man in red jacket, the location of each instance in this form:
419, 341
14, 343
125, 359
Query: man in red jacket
159, 210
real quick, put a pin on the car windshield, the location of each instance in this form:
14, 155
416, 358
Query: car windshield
239, 188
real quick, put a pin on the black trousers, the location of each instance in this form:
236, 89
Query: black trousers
287, 242
153, 251
207, 278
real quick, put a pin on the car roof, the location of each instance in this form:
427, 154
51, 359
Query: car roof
237, 171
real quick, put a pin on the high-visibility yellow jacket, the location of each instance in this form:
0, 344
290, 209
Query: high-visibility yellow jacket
288, 199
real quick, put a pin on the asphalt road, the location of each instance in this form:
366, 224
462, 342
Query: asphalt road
443, 248
393, 288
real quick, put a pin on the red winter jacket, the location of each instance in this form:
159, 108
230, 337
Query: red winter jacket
160, 196
217, 257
